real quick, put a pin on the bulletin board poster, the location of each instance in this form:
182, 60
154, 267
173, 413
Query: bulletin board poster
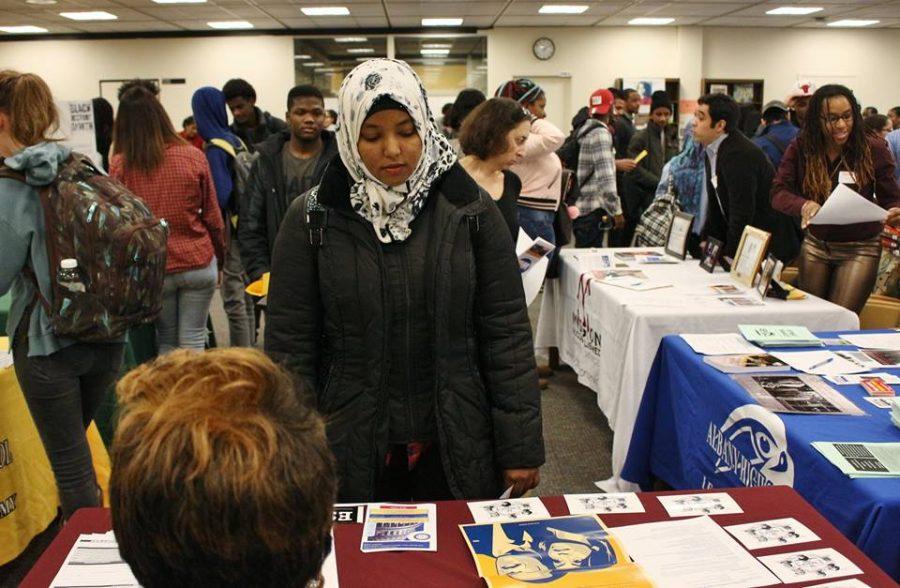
76, 127
645, 87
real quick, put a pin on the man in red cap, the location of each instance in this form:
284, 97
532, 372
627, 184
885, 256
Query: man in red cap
599, 207
798, 101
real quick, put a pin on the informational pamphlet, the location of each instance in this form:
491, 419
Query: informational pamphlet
747, 364
779, 336
601, 503
862, 460
844, 380
809, 565
797, 394
720, 344
635, 255
693, 552
576, 551
884, 357
874, 340
740, 301
692, 505
94, 560
845, 206
510, 509
773, 533
533, 263
400, 527
879, 401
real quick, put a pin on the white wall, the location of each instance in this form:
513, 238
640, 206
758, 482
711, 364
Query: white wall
73, 69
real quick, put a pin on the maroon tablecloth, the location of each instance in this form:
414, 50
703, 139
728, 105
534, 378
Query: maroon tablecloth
452, 564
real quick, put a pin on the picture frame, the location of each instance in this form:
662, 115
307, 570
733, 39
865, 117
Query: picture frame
679, 233
749, 256
712, 254
766, 275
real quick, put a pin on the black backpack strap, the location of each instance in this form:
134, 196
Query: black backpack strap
780, 145
316, 218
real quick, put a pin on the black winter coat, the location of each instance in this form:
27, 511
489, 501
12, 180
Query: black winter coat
327, 322
744, 178
265, 203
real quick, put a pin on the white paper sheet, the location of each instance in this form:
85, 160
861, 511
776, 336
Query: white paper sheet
860, 359
819, 362
691, 505
809, 565
505, 511
721, 344
846, 207
848, 379
772, 533
851, 583
880, 401
329, 567
692, 552
94, 560
533, 263
874, 340
600, 503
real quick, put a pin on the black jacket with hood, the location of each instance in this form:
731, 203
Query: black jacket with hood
266, 201
328, 322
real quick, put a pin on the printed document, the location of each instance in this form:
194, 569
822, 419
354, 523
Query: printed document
846, 207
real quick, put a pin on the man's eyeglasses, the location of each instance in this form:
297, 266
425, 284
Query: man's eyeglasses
832, 119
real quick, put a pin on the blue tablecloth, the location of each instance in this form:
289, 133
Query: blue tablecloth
697, 428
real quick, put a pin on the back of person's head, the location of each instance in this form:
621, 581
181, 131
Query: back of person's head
895, 111
522, 90
187, 122
869, 111
301, 91
484, 132
722, 107
238, 88
333, 114
816, 137
774, 115
465, 103
617, 93
220, 476
142, 130
148, 85
875, 123
750, 119
26, 101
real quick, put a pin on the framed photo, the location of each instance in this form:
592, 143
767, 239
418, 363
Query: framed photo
711, 254
679, 232
750, 253
766, 275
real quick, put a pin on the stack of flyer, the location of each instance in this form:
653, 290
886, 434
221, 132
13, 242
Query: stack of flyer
779, 336
863, 460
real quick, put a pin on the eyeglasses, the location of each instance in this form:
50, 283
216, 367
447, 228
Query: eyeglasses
833, 119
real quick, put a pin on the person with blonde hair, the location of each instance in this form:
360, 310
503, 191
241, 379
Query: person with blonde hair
63, 381
220, 475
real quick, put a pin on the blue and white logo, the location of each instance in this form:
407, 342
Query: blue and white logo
752, 445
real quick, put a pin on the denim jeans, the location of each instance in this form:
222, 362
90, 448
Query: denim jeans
185, 307
63, 391
590, 229
238, 304
538, 223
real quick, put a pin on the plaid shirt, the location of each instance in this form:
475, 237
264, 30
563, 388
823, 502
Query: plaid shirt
597, 170
182, 192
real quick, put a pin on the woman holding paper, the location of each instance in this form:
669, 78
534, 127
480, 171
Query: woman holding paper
838, 262
396, 297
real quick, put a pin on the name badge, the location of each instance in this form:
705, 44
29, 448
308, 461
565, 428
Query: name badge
846, 177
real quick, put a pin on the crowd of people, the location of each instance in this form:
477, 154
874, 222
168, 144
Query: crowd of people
395, 308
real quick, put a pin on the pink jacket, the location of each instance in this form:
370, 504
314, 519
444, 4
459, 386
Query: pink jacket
541, 170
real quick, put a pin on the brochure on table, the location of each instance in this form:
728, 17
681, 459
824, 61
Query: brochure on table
400, 527
533, 263
862, 460
797, 394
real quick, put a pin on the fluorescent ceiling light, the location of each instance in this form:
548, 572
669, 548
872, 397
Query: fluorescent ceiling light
40, 2
351, 39
794, 10
180, 1
563, 8
230, 24
852, 22
441, 22
313, 64
93, 15
435, 52
360, 50
364, 58
302, 56
23, 30
437, 45
324, 70
650, 21
325, 11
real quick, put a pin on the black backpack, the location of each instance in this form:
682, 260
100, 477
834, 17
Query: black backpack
571, 149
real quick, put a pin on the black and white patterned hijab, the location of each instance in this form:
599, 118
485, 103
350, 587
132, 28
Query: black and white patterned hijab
389, 209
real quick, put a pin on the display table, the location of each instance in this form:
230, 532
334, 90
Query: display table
28, 497
697, 428
609, 335
452, 565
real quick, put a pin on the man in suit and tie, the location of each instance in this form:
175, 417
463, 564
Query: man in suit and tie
739, 179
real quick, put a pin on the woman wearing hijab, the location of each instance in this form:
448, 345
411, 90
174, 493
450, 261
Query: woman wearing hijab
208, 105
395, 297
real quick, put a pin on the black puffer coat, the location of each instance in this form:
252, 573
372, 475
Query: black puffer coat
327, 321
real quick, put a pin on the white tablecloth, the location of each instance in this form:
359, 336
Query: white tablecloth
579, 313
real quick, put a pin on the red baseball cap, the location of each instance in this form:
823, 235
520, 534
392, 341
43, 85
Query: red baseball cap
601, 101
